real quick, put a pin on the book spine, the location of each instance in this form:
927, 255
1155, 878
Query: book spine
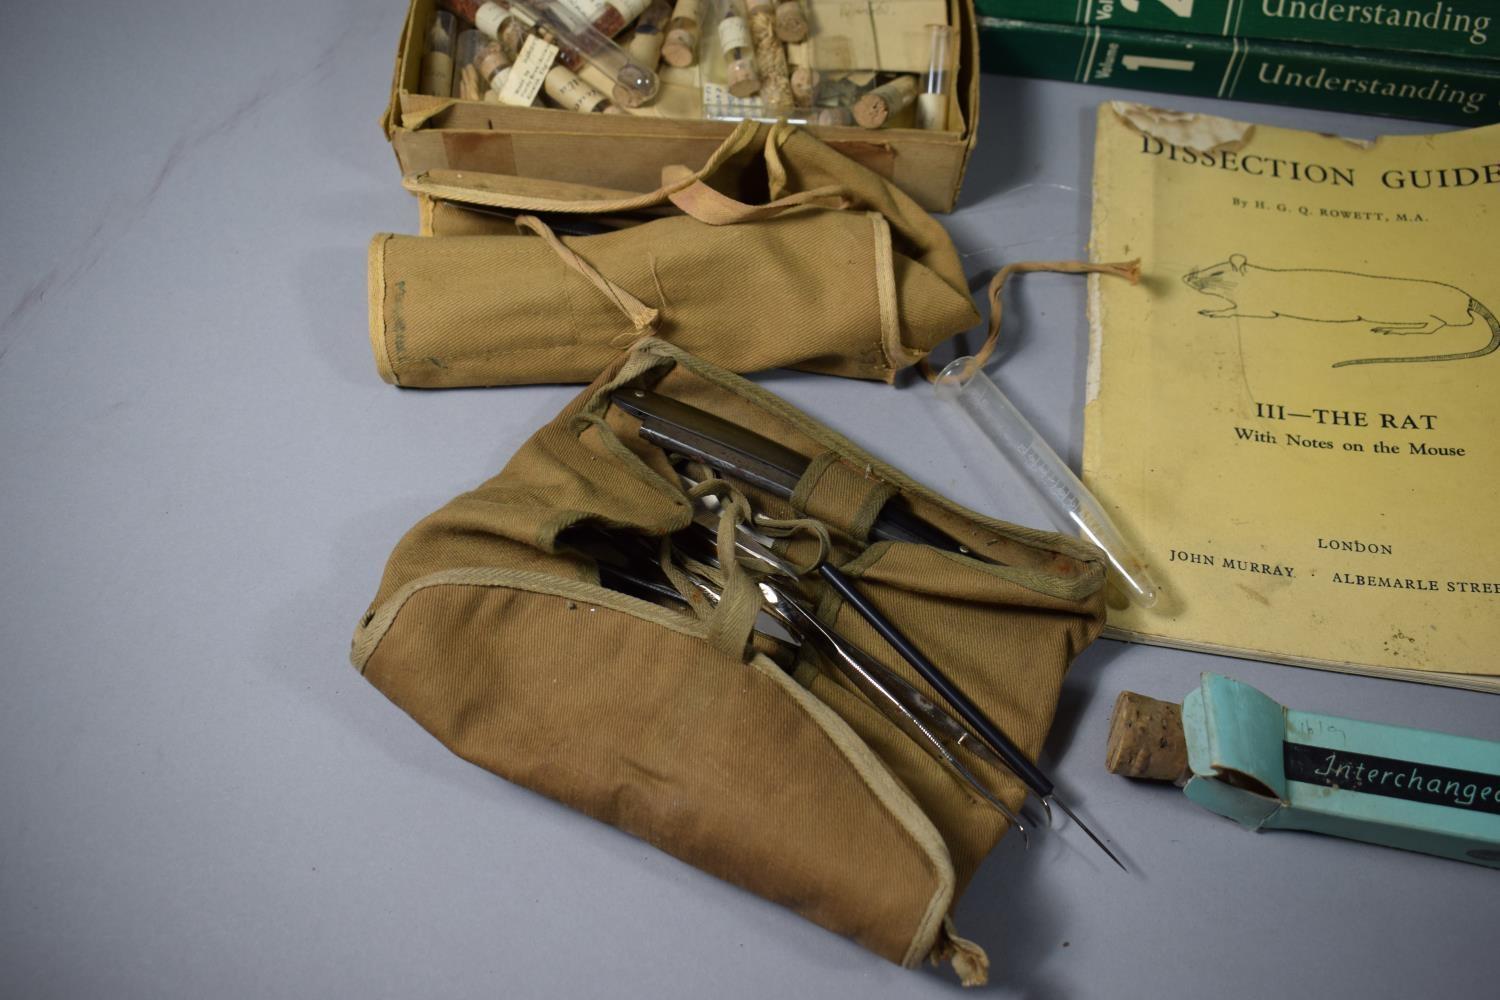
1451, 91
1446, 27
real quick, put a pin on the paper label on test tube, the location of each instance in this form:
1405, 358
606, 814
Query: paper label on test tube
487, 19
734, 33
571, 92
526, 77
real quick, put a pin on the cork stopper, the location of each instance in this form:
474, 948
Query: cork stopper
680, 45
491, 60
791, 21
742, 78
680, 48
804, 84
1146, 740
874, 109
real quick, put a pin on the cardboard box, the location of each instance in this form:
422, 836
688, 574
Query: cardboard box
626, 152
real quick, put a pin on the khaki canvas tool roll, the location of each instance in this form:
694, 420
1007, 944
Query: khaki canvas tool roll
492, 630
777, 252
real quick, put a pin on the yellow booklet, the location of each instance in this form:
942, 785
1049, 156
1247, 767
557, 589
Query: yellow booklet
1296, 415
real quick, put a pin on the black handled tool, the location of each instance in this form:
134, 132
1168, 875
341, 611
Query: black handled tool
1031, 775
749, 457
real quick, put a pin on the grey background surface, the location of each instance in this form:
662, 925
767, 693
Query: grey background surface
200, 479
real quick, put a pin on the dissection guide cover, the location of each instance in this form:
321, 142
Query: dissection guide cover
1293, 415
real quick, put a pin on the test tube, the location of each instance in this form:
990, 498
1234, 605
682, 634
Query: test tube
572, 93
612, 15
511, 35
568, 29
468, 83
770, 57
680, 47
875, 109
739, 57
932, 103
571, 31
965, 385
650, 31
492, 63
437, 61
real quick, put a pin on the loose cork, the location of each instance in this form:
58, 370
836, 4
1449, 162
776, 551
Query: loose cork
875, 108
1146, 740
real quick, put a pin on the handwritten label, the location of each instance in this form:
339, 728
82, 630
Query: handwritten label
525, 79
571, 92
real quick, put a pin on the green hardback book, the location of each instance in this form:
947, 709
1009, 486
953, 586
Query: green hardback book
1329, 78
1448, 27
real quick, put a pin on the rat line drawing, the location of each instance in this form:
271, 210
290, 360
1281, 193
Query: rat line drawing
1392, 306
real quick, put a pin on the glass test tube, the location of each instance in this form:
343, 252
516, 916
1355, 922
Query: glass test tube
437, 61
566, 28
572, 93
740, 76
610, 16
571, 31
965, 385
874, 109
932, 103
650, 31
770, 57
468, 83
492, 63
680, 47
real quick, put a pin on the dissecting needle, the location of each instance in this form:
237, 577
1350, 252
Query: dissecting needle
900, 701
1031, 775
1023, 768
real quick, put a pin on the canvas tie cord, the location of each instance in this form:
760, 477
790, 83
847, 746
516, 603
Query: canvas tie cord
1129, 270
732, 621
697, 199
642, 317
